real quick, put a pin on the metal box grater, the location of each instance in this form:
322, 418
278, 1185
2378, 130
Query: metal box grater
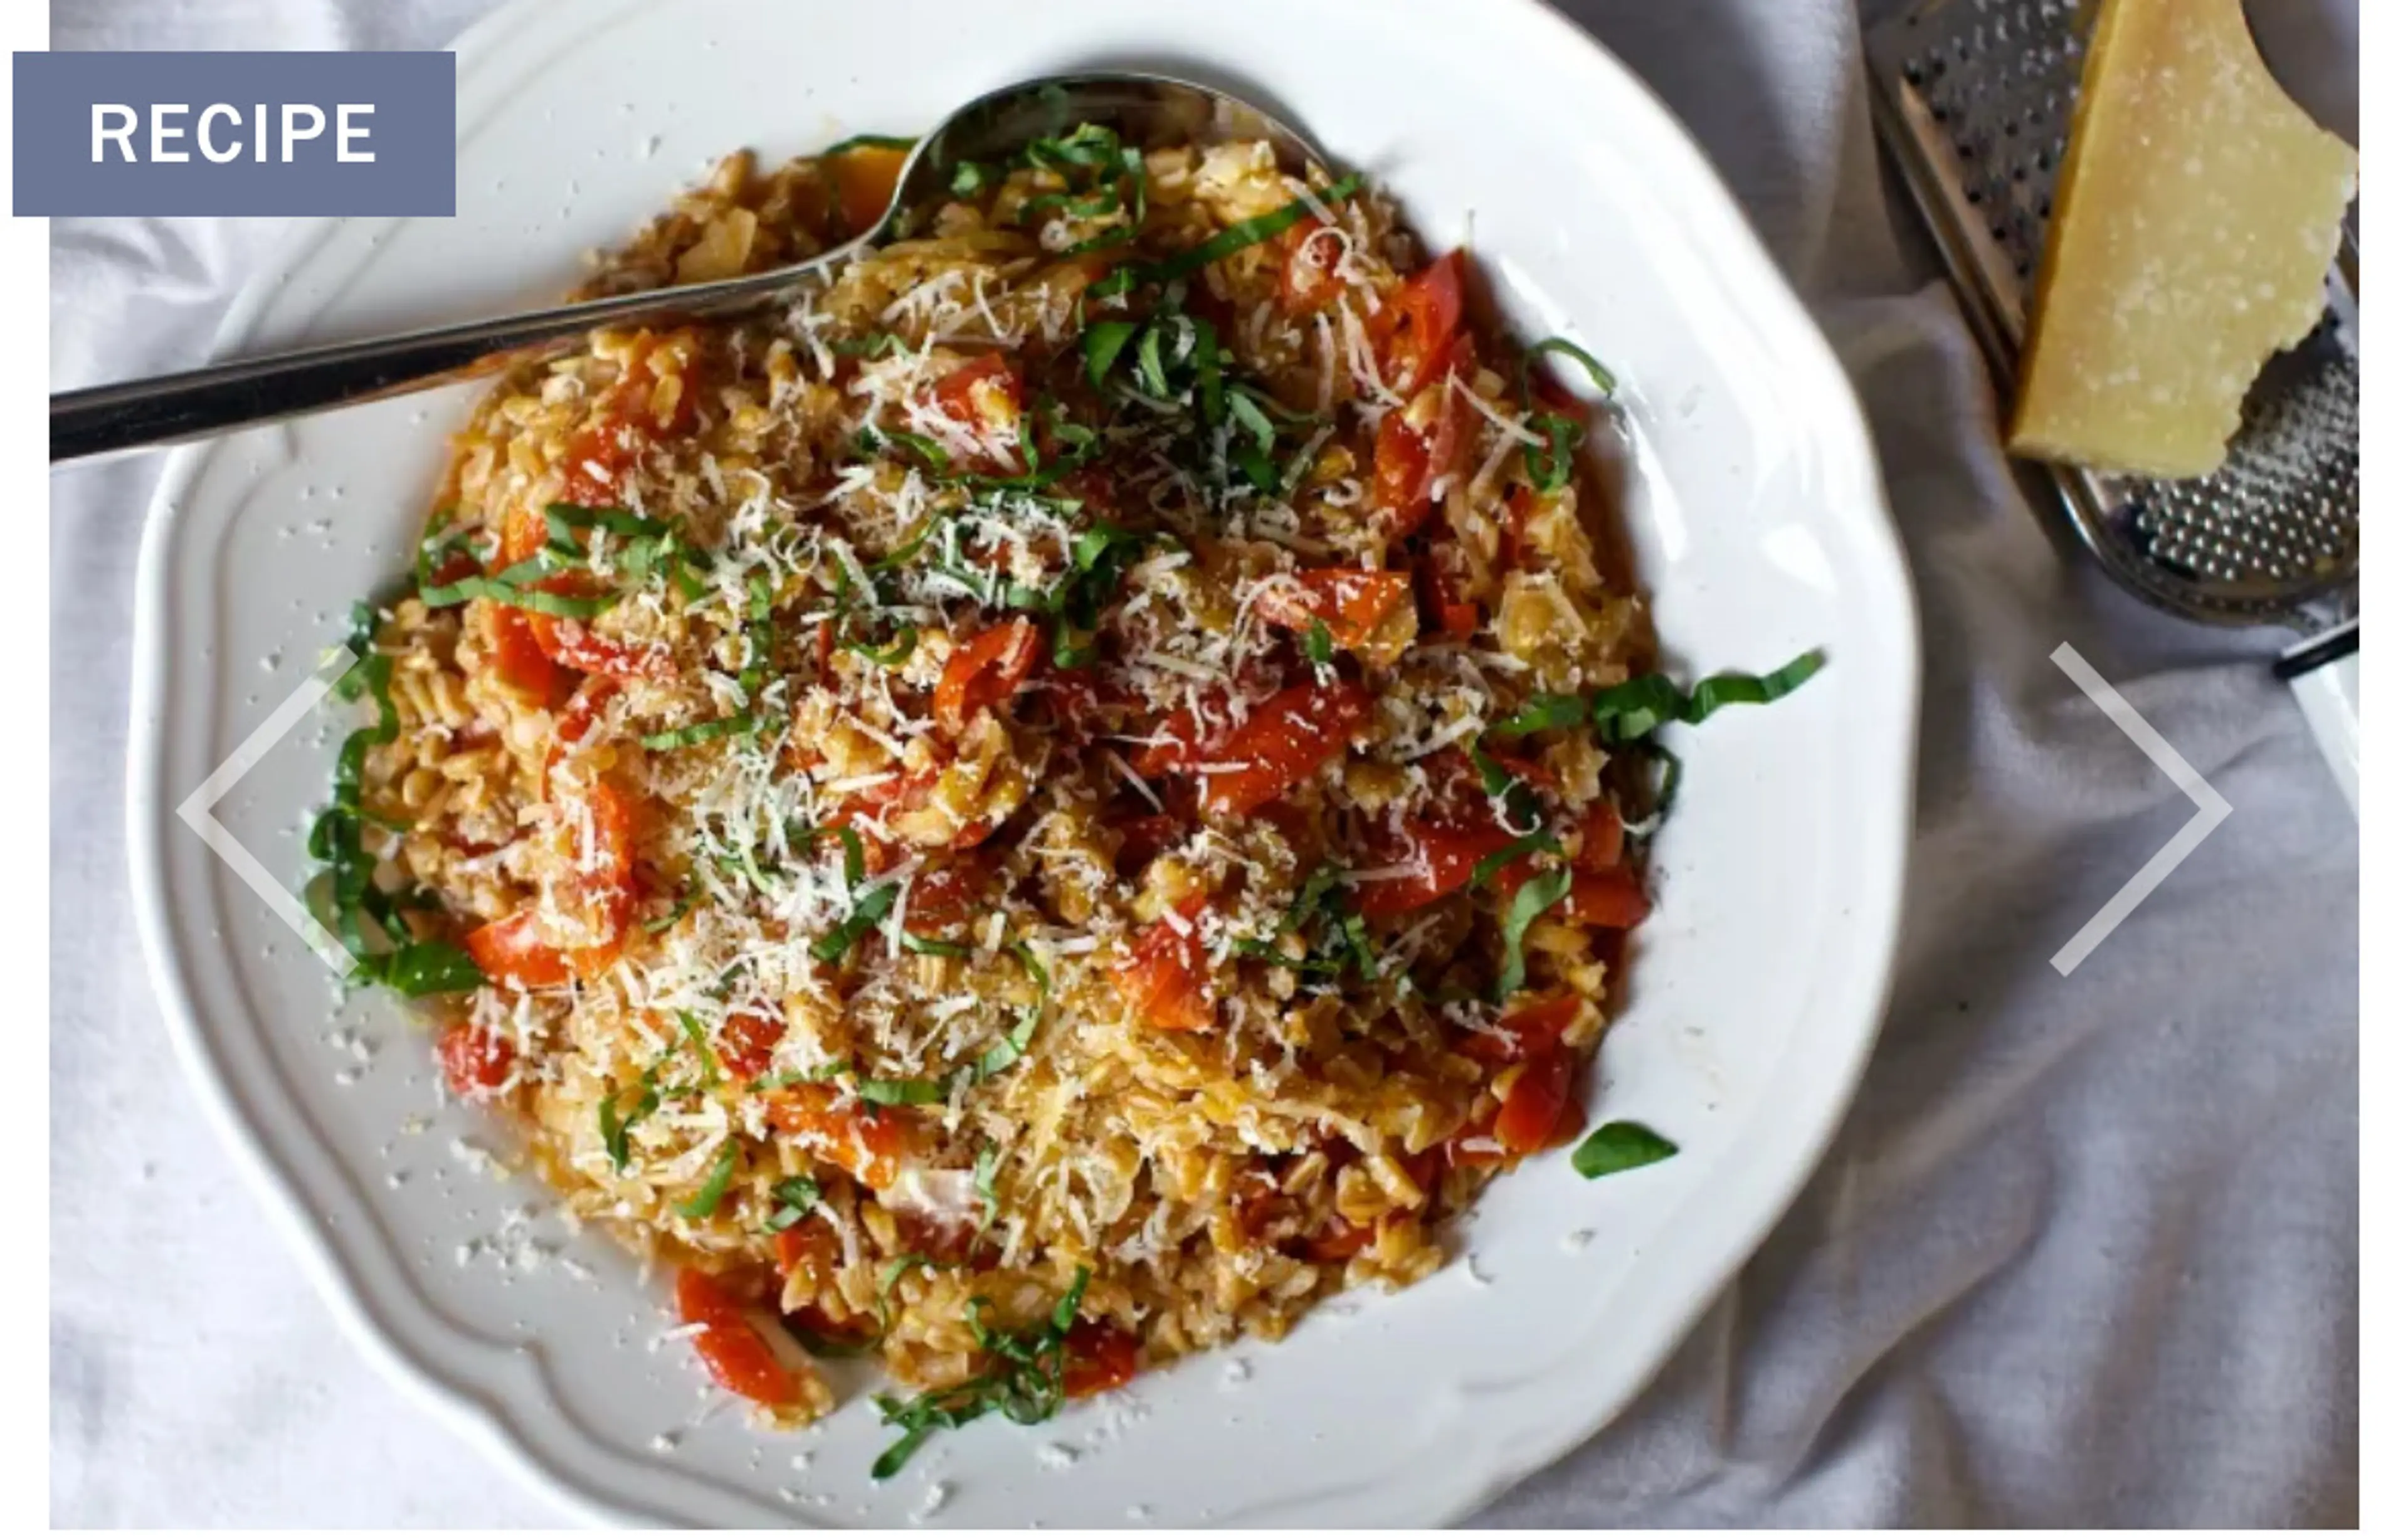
1974, 99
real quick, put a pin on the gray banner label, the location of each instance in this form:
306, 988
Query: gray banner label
234, 132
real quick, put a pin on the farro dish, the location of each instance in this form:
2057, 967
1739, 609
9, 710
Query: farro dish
1072, 795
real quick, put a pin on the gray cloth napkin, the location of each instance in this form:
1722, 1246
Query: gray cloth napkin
2086, 1251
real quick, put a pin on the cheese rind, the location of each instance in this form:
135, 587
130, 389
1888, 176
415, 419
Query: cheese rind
2196, 216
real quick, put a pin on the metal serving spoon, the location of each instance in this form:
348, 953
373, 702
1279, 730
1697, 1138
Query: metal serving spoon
1145, 110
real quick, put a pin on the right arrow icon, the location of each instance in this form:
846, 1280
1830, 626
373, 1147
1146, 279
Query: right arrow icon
2213, 809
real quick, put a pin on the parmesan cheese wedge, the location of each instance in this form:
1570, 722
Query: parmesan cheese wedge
2196, 216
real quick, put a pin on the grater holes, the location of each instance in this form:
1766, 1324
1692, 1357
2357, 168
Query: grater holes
2278, 524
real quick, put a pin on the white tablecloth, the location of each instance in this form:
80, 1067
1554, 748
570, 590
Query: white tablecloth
2086, 1251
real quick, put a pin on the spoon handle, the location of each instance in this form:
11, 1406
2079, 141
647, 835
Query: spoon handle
174, 407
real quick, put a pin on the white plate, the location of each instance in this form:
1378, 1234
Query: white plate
1761, 530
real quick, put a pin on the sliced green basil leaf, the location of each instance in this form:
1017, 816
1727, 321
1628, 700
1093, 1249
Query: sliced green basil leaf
565, 521
1538, 894
423, 967
871, 141
1544, 713
797, 1196
1102, 344
905, 642
615, 1128
1712, 695
1620, 1146
1319, 649
1150, 375
1250, 232
1257, 467
694, 1034
868, 909
714, 1189
1527, 844
1247, 412
1599, 374
1630, 710
1210, 396
901, 1091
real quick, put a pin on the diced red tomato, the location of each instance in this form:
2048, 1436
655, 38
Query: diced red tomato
599, 458
1601, 839
584, 708
1400, 474
574, 720
1142, 838
1532, 1031
865, 185
1407, 465
1443, 607
475, 1062
1428, 312
945, 1236
607, 875
1283, 743
458, 564
574, 644
741, 1362
746, 1041
986, 673
1452, 432
513, 950
1456, 782
518, 661
1097, 1358
810, 1248
1070, 703
1163, 981
1608, 900
1180, 741
982, 394
870, 1146
703, 1298
1309, 272
1349, 602
1512, 532
523, 533
1534, 1108
948, 894
630, 418
590, 961
1448, 855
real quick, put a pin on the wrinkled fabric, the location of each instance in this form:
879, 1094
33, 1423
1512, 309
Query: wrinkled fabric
2085, 1248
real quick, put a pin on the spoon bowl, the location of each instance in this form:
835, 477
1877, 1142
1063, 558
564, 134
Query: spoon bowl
1146, 110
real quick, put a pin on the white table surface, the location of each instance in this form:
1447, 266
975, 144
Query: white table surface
2086, 1249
